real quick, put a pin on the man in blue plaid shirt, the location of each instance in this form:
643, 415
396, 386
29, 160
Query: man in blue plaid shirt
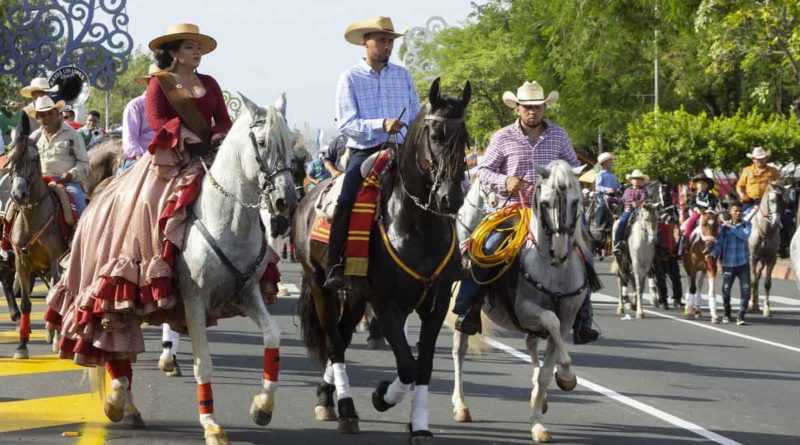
370, 98
732, 245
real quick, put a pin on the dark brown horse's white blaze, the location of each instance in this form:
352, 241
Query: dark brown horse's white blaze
35, 235
413, 261
697, 266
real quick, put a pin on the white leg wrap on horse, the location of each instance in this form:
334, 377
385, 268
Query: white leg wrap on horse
207, 419
419, 409
327, 377
396, 392
171, 336
269, 386
341, 381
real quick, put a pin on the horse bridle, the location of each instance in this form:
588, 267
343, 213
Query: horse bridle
764, 212
267, 185
437, 169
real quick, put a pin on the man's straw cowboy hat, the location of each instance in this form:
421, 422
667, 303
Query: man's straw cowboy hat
185, 31
604, 156
637, 174
530, 93
356, 31
152, 70
45, 103
37, 84
759, 153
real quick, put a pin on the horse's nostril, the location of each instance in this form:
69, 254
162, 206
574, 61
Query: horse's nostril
280, 204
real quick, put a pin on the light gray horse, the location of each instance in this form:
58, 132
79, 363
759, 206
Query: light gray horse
794, 250
250, 172
544, 295
641, 250
765, 239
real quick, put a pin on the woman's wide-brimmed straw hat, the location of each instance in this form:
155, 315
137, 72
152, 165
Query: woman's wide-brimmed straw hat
703, 177
759, 153
152, 70
185, 31
356, 31
530, 93
637, 174
45, 103
37, 84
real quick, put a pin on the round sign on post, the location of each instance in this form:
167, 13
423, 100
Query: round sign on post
73, 85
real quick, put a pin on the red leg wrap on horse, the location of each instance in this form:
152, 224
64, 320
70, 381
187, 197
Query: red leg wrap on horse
272, 359
205, 398
24, 326
118, 368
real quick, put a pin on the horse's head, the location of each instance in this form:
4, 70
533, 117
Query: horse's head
648, 218
24, 163
265, 154
709, 227
556, 207
434, 151
773, 201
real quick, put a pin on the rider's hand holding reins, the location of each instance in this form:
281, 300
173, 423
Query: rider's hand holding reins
393, 126
67, 177
514, 184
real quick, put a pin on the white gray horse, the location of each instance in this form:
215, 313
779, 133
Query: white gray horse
543, 295
765, 239
225, 247
641, 250
795, 255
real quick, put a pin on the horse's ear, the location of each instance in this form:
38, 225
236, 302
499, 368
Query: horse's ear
543, 172
578, 170
280, 104
251, 106
466, 94
23, 124
435, 94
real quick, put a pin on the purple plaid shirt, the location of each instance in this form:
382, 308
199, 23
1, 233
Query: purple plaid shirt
633, 196
136, 131
512, 153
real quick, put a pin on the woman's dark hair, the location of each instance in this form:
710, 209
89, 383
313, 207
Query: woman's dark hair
162, 55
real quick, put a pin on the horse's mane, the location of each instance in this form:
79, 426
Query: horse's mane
278, 134
561, 176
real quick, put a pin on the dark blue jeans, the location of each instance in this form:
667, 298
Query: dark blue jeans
728, 275
469, 291
623, 224
353, 178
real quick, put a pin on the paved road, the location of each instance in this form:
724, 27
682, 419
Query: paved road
653, 381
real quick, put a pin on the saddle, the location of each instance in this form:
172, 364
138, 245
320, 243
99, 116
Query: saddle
326, 201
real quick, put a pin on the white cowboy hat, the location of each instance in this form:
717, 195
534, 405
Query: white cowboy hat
356, 31
637, 174
604, 156
530, 93
759, 153
37, 84
152, 70
45, 103
185, 31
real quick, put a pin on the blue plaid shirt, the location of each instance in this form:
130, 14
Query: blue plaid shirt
365, 97
732, 244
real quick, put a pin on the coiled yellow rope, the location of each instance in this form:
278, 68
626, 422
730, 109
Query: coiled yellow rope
510, 246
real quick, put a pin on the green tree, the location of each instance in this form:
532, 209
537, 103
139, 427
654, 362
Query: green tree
125, 88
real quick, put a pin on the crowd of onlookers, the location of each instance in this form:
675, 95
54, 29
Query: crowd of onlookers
90, 129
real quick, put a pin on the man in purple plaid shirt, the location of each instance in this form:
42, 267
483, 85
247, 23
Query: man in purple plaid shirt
507, 167
633, 196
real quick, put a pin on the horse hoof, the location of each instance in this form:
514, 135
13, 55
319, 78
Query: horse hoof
766, 313
421, 437
620, 310
542, 436
753, 309
640, 315
378, 402
176, 370
261, 411
49, 334
462, 415
134, 420
114, 413
567, 384
325, 413
376, 343
362, 327
166, 363
714, 319
215, 435
348, 425
21, 354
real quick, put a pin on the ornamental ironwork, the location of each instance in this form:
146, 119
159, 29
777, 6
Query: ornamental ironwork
416, 39
233, 103
42, 36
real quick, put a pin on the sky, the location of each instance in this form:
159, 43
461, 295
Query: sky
294, 46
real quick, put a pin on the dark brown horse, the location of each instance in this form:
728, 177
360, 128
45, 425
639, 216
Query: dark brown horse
36, 235
413, 260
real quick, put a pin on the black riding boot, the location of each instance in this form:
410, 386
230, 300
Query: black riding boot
336, 244
470, 323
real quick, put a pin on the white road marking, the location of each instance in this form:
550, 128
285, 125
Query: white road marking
625, 400
605, 297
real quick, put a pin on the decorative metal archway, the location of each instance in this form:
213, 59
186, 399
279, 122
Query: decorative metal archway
233, 104
416, 39
42, 36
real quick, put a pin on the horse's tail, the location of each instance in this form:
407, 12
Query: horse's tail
478, 343
97, 381
310, 327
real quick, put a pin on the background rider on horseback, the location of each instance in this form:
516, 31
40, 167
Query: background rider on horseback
703, 200
605, 186
755, 178
633, 196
